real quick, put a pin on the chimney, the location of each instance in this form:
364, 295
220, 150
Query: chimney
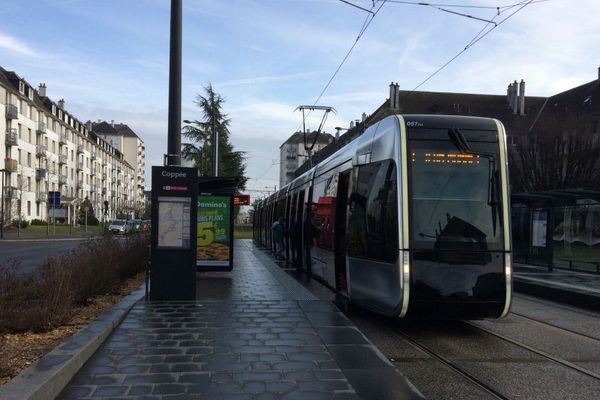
509, 94
112, 123
351, 125
88, 125
61, 104
522, 98
514, 102
42, 90
394, 96
363, 117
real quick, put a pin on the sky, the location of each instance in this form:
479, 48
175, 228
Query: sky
109, 59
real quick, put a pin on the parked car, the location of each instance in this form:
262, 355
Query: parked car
136, 225
119, 226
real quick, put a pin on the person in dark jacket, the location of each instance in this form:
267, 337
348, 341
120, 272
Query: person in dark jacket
279, 236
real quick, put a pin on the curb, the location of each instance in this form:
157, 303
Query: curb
48, 377
548, 291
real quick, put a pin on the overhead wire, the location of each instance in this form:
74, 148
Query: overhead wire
473, 41
372, 14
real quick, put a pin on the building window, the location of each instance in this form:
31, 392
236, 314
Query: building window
19, 156
29, 208
29, 135
29, 160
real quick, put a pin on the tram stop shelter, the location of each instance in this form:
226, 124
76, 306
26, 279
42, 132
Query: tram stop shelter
557, 229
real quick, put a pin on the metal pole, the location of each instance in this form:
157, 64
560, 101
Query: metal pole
174, 132
215, 140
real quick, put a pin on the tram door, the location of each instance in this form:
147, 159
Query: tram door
340, 229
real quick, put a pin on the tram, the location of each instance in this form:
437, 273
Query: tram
410, 219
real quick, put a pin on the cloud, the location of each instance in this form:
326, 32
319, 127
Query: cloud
14, 45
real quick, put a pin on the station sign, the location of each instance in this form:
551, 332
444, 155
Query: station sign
173, 233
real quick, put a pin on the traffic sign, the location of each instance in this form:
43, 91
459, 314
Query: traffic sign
54, 199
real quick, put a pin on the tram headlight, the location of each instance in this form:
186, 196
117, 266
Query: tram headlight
508, 266
405, 267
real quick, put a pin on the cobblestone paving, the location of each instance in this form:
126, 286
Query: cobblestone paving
246, 337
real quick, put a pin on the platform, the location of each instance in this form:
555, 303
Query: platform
565, 286
252, 333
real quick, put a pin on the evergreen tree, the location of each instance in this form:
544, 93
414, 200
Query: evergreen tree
231, 163
91, 218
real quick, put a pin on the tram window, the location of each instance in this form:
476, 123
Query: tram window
373, 213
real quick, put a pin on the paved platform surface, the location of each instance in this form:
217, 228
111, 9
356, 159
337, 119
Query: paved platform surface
577, 288
253, 333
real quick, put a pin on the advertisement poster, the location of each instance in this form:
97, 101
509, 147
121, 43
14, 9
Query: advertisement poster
538, 228
215, 236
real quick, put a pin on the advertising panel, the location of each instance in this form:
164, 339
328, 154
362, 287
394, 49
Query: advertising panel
215, 232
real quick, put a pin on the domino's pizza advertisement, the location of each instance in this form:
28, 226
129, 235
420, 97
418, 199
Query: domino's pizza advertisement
214, 236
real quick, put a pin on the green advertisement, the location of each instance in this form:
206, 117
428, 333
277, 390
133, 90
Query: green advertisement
214, 236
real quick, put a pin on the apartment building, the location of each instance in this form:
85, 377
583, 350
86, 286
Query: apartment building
293, 152
45, 149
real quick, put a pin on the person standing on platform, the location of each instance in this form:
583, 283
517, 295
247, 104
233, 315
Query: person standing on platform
279, 236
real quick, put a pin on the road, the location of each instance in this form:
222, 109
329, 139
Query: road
31, 254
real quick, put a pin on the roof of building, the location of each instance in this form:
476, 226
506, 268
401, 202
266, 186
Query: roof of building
298, 137
125, 130
571, 108
104, 128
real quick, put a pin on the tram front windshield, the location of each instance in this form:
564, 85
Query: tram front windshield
454, 190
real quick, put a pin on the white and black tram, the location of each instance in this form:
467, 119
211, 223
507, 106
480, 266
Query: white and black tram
410, 219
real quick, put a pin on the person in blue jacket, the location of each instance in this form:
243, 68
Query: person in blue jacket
279, 232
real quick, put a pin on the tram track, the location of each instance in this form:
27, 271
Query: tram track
534, 350
452, 366
561, 328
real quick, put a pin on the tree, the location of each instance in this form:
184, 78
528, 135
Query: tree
91, 218
231, 163
556, 156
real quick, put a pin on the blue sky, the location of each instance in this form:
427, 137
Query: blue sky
109, 59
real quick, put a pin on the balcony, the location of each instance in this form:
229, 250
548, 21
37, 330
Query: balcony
80, 166
93, 189
93, 172
41, 128
113, 193
104, 162
103, 177
80, 148
10, 164
62, 179
11, 192
41, 196
12, 112
103, 191
118, 182
62, 159
40, 173
12, 138
40, 150
62, 139
80, 183
93, 155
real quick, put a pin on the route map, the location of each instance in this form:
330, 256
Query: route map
174, 222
